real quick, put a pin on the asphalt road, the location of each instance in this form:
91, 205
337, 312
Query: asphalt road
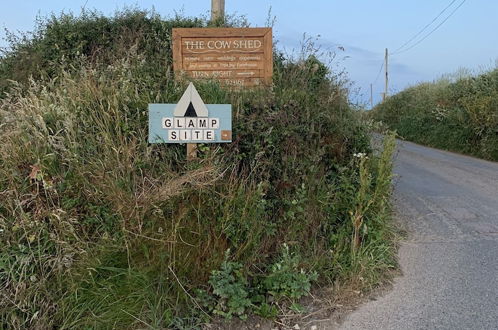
449, 205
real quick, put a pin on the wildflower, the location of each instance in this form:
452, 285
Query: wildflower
360, 155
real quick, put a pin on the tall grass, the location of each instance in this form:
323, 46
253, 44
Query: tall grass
457, 113
99, 229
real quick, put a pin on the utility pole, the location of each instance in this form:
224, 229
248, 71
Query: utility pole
371, 97
387, 75
217, 9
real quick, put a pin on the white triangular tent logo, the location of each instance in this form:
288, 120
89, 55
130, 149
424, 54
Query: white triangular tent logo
191, 96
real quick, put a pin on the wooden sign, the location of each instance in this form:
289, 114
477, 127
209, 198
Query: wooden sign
235, 56
190, 121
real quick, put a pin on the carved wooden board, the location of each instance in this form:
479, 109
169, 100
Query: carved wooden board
235, 56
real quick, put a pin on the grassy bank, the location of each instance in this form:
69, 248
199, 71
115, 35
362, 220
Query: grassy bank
459, 114
99, 229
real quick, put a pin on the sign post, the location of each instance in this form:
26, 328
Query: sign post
191, 151
217, 9
190, 121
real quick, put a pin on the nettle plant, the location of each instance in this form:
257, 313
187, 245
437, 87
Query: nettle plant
234, 294
286, 279
231, 288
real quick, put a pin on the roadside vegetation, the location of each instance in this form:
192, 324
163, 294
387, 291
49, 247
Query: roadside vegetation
99, 229
457, 113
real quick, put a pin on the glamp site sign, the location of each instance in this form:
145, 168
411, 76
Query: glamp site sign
190, 121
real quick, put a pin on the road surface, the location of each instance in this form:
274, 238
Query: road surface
449, 204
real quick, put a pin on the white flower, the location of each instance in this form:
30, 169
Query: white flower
360, 155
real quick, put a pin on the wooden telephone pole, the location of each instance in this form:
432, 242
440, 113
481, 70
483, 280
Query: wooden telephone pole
217, 9
387, 75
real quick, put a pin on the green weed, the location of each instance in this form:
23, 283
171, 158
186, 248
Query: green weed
230, 286
286, 279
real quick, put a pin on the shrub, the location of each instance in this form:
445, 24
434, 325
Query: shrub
101, 229
454, 114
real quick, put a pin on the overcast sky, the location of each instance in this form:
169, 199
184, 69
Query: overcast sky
364, 28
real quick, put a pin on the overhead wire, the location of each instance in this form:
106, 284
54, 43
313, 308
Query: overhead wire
400, 49
378, 74
433, 30
425, 27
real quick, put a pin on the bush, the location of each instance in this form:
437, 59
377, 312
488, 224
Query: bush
60, 42
100, 229
453, 114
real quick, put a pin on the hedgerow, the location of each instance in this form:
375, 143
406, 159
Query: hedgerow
99, 229
454, 114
